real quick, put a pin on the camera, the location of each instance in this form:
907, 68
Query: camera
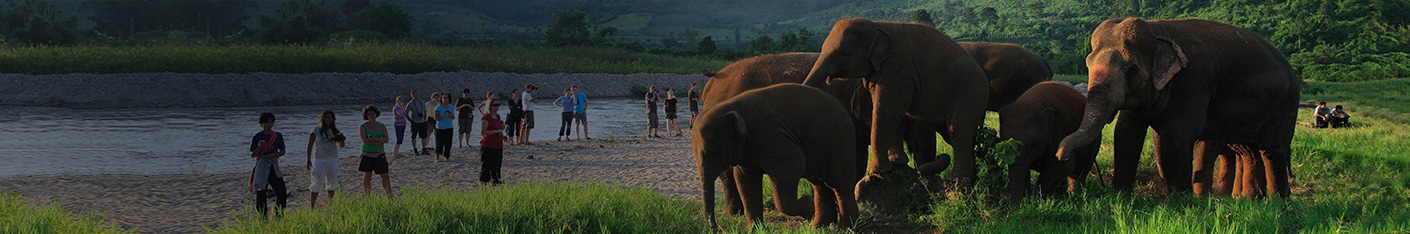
339, 137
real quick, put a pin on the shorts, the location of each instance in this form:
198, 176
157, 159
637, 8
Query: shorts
374, 165
324, 176
528, 119
419, 130
401, 133
580, 117
694, 107
670, 115
651, 120
465, 125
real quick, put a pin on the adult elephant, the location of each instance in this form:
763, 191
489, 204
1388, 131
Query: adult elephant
1189, 80
770, 69
1040, 118
1010, 70
762, 130
913, 72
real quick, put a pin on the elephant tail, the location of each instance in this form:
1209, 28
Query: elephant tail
1098, 170
708, 73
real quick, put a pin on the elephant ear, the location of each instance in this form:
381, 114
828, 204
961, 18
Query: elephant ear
880, 48
740, 130
1168, 62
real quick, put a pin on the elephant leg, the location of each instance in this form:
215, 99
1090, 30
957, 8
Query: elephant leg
1277, 161
824, 203
962, 142
1250, 172
1175, 153
1205, 154
751, 191
733, 205
1224, 178
1128, 139
889, 109
785, 186
1082, 166
922, 142
1018, 179
863, 153
843, 189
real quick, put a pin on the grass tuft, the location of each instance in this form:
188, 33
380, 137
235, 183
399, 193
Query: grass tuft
20, 216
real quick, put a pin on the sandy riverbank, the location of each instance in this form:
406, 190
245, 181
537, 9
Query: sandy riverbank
186, 203
156, 90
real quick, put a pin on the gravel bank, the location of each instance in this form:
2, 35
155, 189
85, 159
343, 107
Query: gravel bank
147, 90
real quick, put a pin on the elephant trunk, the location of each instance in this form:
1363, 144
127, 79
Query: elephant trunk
822, 69
709, 170
1102, 102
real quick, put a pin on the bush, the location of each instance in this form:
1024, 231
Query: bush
358, 37
170, 38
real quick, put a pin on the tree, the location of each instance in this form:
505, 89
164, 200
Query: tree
988, 14
385, 18
37, 22
763, 43
604, 35
352, 7
567, 28
707, 45
123, 18
922, 16
298, 21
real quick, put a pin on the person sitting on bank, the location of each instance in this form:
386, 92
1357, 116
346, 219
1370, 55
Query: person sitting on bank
1321, 114
1339, 117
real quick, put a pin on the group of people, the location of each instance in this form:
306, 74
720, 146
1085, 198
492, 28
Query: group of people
267, 146
1334, 117
653, 96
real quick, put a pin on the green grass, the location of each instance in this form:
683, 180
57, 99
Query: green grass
20, 216
1074, 79
1388, 99
401, 59
534, 207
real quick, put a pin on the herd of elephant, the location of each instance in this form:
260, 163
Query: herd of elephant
1208, 91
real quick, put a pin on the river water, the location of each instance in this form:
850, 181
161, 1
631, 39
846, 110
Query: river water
61, 141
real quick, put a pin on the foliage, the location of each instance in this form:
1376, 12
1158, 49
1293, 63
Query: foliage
568, 28
922, 16
706, 46
385, 18
122, 19
20, 216
394, 58
37, 22
298, 22
358, 37
170, 38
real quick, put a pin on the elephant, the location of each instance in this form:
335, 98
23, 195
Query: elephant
914, 72
1236, 171
1188, 80
1040, 118
782, 131
781, 68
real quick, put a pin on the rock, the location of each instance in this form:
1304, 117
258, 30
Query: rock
889, 192
1081, 88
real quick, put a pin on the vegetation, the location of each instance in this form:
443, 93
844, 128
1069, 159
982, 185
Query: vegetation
1386, 99
393, 58
20, 216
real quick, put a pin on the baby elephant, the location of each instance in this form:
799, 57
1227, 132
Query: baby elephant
788, 131
1041, 118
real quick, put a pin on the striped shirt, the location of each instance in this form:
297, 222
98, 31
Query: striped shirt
399, 116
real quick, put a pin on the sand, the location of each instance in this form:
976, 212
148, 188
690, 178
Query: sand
187, 203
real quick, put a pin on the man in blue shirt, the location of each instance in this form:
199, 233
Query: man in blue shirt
580, 112
651, 98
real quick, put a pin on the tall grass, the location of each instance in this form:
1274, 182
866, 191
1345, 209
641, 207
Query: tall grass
1387, 99
401, 59
20, 216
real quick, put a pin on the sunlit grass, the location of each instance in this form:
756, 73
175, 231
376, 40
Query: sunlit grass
20, 216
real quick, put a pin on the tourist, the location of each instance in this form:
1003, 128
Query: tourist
491, 146
266, 147
1322, 114
445, 128
580, 112
694, 99
324, 142
528, 124
671, 113
466, 107
416, 113
431, 105
566, 102
399, 122
374, 160
515, 118
651, 122
1339, 117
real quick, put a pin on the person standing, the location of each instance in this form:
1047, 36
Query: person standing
431, 105
671, 113
399, 122
651, 121
491, 146
528, 124
416, 114
265, 179
566, 102
694, 99
516, 116
374, 159
466, 107
580, 112
445, 128
324, 142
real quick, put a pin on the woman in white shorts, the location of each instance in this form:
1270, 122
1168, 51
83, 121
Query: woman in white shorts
322, 156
